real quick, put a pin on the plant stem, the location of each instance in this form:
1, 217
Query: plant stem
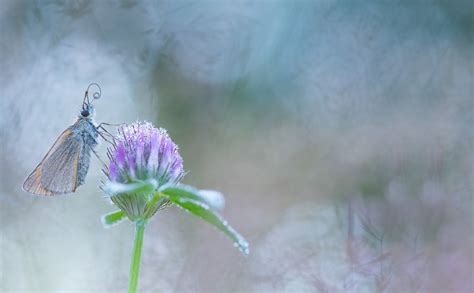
137, 251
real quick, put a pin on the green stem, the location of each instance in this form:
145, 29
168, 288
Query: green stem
137, 251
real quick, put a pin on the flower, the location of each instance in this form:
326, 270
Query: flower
142, 159
144, 174
143, 152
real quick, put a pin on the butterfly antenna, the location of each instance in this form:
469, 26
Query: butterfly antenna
96, 95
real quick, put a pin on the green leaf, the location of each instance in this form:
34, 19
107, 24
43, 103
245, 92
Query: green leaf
210, 197
195, 205
181, 191
138, 186
113, 218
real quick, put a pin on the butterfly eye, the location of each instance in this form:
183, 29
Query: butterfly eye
85, 113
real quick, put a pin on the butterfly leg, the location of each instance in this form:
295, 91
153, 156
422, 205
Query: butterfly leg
101, 126
106, 136
107, 124
103, 132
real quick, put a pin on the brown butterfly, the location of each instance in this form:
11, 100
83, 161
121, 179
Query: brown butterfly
65, 166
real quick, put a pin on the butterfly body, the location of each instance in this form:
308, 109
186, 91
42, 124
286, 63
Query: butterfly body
65, 166
87, 132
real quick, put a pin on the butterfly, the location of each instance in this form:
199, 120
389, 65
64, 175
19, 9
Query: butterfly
64, 168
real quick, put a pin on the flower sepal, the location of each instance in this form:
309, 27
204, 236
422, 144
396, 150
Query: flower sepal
139, 206
135, 199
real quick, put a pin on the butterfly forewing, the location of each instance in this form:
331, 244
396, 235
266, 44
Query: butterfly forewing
57, 172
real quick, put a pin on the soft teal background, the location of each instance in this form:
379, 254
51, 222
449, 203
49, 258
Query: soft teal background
340, 132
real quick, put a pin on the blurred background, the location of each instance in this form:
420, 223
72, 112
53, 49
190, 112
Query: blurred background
340, 132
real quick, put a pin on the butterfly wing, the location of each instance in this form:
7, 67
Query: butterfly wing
57, 172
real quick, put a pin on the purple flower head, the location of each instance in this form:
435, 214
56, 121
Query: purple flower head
143, 152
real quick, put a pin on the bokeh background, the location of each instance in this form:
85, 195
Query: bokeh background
340, 132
